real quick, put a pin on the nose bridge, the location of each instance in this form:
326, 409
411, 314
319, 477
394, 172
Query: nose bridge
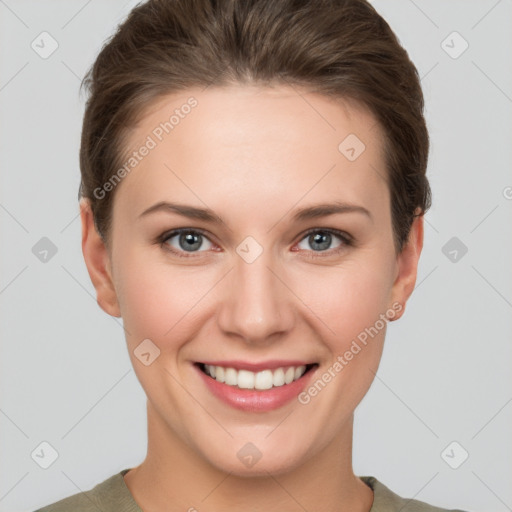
256, 304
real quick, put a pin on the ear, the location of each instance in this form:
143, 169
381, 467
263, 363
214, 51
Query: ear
97, 260
407, 266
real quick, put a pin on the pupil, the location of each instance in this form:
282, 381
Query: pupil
189, 239
318, 237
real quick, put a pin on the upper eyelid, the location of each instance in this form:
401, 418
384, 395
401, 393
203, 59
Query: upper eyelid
178, 231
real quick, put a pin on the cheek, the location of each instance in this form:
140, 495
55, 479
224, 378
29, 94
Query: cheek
158, 301
348, 298
348, 302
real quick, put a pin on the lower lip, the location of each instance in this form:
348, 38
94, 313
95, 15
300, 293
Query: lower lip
252, 400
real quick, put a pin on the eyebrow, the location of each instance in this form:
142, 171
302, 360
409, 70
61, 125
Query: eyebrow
207, 215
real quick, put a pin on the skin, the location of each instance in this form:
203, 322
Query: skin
253, 155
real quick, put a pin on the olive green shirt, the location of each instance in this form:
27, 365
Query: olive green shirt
113, 495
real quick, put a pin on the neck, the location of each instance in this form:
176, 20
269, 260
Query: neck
174, 476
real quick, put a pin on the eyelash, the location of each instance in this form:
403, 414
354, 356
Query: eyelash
347, 240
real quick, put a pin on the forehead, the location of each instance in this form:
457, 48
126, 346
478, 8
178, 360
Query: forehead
254, 143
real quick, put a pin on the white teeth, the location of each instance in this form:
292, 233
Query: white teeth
245, 379
289, 375
265, 379
219, 373
278, 377
231, 376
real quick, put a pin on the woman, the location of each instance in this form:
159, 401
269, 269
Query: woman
252, 200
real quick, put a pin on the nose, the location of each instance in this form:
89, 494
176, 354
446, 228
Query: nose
257, 305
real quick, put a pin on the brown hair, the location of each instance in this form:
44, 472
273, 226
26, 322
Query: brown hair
339, 48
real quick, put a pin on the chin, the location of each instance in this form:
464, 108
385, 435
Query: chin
248, 461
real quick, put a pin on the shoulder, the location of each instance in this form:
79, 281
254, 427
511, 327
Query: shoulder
81, 502
385, 500
109, 495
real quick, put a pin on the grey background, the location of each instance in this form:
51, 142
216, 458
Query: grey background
445, 374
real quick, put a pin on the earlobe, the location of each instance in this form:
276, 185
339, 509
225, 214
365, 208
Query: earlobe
98, 262
407, 262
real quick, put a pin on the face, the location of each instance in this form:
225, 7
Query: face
261, 277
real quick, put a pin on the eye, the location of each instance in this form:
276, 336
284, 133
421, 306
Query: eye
321, 239
184, 240
187, 240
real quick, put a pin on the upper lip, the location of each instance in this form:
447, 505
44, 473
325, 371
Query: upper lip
256, 367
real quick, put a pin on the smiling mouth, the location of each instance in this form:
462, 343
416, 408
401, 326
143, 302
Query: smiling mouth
261, 380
